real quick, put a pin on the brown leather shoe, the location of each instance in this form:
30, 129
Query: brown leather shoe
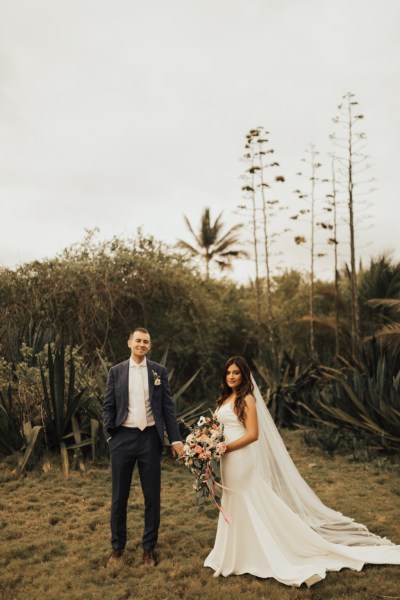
114, 557
149, 558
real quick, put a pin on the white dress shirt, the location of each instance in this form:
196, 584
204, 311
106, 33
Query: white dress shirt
138, 393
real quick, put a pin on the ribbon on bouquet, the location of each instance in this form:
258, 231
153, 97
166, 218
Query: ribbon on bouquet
210, 485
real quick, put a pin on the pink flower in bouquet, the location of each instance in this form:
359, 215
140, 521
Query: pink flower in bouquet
207, 441
205, 454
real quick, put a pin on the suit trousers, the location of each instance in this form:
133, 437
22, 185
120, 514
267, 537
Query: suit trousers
128, 446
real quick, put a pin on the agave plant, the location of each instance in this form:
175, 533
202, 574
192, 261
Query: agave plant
61, 402
31, 435
288, 384
11, 439
34, 335
359, 400
362, 397
51, 400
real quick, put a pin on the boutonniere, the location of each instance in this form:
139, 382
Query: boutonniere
157, 380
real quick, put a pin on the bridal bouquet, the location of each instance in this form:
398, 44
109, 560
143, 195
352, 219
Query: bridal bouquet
203, 450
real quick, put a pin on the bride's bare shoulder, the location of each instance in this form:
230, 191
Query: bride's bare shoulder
250, 400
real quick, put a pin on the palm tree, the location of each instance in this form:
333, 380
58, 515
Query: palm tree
380, 280
380, 290
388, 334
212, 244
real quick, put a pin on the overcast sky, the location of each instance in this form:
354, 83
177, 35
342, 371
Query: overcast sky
122, 113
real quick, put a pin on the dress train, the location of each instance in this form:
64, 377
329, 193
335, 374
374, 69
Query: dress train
266, 538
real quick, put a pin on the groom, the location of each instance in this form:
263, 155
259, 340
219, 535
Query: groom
137, 406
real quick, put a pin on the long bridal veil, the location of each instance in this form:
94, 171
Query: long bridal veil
275, 465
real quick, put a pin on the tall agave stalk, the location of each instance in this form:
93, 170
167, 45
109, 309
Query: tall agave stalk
267, 206
311, 210
333, 206
335, 246
250, 190
352, 162
258, 180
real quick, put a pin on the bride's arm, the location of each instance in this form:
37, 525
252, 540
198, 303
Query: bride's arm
251, 425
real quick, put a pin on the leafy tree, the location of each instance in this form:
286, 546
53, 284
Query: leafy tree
95, 292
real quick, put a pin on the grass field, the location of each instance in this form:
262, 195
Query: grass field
54, 535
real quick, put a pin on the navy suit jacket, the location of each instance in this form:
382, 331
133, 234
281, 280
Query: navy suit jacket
115, 408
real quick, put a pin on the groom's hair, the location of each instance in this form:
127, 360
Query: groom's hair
141, 329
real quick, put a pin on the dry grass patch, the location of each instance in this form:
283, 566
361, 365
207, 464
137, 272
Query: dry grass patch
54, 536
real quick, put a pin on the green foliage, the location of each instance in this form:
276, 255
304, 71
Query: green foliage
327, 439
51, 391
363, 399
61, 399
93, 294
289, 383
291, 322
380, 283
11, 439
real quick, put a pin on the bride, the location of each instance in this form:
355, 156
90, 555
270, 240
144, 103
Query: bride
277, 527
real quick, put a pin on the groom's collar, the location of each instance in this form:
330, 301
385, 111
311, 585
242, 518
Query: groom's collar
132, 363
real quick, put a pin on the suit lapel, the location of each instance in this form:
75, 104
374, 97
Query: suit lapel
125, 380
151, 378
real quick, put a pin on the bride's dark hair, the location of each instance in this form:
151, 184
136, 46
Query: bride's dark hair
245, 388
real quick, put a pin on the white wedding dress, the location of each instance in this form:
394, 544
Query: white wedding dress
277, 526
